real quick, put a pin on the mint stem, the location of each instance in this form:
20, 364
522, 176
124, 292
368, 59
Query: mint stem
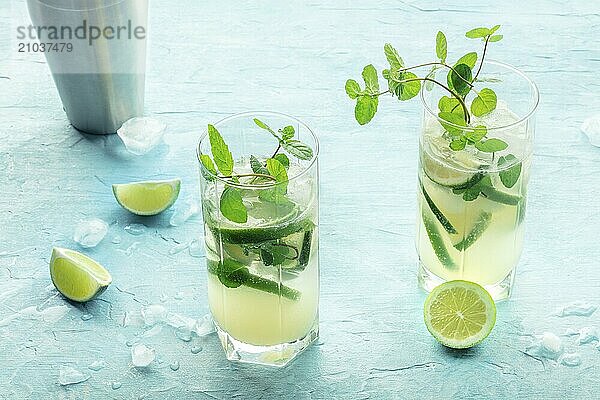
443, 64
487, 39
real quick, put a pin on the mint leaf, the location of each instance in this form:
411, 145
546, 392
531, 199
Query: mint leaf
220, 151
478, 33
393, 57
369, 74
257, 166
277, 254
495, 38
459, 79
450, 104
408, 90
298, 149
352, 88
231, 205
491, 145
366, 107
453, 119
494, 29
263, 125
476, 134
458, 144
510, 176
232, 274
441, 46
287, 133
283, 159
208, 164
277, 170
484, 103
469, 59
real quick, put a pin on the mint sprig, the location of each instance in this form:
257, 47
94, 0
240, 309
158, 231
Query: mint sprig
454, 114
272, 170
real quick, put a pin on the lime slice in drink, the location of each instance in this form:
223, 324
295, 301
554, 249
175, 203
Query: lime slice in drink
76, 276
454, 170
147, 198
459, 314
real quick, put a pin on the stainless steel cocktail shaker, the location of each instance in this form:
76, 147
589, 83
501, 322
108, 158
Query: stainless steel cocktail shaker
101, 79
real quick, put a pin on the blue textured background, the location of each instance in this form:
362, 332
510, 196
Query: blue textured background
210, 60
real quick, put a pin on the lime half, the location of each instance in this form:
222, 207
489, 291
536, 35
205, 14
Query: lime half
76, 276
459, 314
147, 198
445, 166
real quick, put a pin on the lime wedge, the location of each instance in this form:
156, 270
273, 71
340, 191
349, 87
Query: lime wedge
147, 198
453, 171
459, 314
76, 276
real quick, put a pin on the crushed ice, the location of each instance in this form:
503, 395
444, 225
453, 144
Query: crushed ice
69, 376
141, 134
184, 211
591, 128
142, 355
577, 308
88, 233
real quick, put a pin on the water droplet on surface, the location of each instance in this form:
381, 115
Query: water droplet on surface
141, 134
196, 249
135, 229
142, 355
116, 385
97, 365
174, 365
90, 232
70, 376
87, 317
116, 240
184, 211
178, 296
163, 298
196, 349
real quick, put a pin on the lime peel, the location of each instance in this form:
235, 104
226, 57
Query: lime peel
459, 314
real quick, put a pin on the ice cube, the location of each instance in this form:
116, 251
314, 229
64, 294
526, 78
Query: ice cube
133, 318
196, 349
141, 134
155, 330
196, 249
183, 326
547, 346
577, 308
571, 359
551, 343
184, 211
69, 376
53, 314
97, 365
588, 335
591, 128
135, 229
204, 326
90, 232
154, 314
142, 355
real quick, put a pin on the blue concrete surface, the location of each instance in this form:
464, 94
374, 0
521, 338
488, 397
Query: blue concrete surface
211, 59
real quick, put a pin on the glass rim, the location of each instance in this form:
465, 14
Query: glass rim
266, 185
61, 6
529, 114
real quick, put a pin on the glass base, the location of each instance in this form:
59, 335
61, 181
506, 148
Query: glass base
277, 355
499, 291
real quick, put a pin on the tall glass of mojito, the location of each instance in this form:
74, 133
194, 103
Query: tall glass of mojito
259, 191
471, 199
